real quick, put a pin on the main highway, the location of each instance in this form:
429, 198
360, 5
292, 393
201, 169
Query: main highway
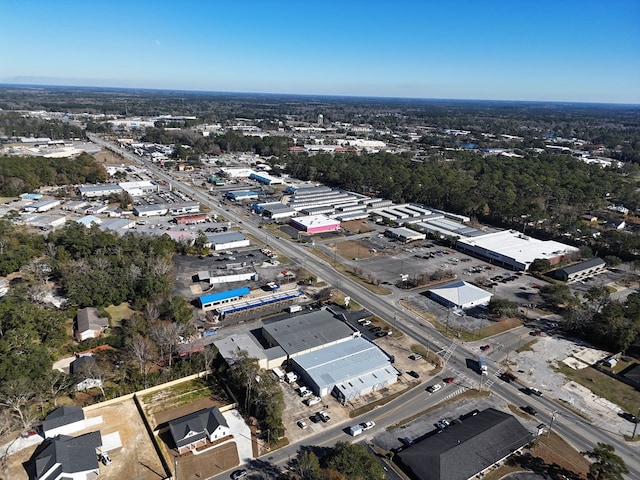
579, 433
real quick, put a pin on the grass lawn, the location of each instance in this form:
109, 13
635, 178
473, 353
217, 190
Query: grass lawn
377, 289
119, 313
627, 397
177, 395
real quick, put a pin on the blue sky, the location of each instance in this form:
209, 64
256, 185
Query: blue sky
550, 50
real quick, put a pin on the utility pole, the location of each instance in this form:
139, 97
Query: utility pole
553, 418
635, 425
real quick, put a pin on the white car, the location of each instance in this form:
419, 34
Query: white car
302, 424
366, 323
434, 388
313, 401
367, 425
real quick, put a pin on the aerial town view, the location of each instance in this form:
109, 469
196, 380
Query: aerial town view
320, 241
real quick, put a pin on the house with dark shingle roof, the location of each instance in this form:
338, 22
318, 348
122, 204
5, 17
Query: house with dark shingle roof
89, 324
68, 458
465, 449
63, 420
192, 431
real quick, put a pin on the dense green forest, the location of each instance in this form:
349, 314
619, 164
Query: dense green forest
550, 191
217, 144
25, 174
16, 124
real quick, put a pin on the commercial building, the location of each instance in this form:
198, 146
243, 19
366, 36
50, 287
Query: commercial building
42, 206
460, 294
404, 235
581, 271
150, 210
139, 189
514, 250
190, 219
266, 179
346, 369
227, 241
184, 207
274, 210
465, 449
96, 191
305, 333
240, 196
315, 224
213, 300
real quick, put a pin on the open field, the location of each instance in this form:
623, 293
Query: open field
623, 395
119, 313
352, 249
358, 226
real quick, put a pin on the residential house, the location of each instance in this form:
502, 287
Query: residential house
192, 431
68, 458
89, 324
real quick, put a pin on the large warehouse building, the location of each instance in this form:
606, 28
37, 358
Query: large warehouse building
330, 356
347, 370
514, 250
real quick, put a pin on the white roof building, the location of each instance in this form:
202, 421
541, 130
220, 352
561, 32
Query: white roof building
460, 294
514, 250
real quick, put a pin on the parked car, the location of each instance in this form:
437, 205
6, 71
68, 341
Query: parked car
105, 458
434, 388
323, 416
313, 401
442, 424
415, 356
413, 374
530, 410
302, 424
238, 474
629, 416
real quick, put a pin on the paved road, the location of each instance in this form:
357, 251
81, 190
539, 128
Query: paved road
575, 430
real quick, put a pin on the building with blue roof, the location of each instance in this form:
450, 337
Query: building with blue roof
212, 300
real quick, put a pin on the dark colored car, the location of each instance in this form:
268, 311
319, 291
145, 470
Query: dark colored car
530, 410
413, 373
485, 347
629, 416
449, 379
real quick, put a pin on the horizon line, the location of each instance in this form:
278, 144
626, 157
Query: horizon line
314, 95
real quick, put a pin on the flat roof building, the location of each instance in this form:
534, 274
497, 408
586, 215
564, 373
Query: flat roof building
212, 300
514, 250
315, 224
227, 240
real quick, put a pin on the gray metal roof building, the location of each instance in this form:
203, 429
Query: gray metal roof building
303, 333
347, 369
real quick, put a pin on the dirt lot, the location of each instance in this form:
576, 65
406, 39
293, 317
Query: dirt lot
358, 226
352, 249
137, 457
107, 157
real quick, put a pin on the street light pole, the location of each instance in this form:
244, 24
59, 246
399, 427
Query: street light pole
635, 425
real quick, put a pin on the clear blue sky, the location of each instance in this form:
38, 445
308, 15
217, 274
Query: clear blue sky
552, 50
